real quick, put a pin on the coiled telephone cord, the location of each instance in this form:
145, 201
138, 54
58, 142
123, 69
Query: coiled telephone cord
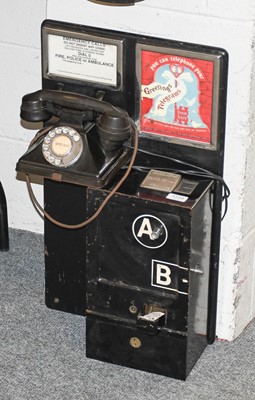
44, 213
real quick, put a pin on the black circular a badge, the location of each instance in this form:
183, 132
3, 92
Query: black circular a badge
149, 231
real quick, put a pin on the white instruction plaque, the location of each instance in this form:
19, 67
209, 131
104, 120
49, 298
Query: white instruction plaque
82, 59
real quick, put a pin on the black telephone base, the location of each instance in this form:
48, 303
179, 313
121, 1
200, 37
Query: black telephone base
100, 178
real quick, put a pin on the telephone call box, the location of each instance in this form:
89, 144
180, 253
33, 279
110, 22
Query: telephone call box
131, 159
147, 280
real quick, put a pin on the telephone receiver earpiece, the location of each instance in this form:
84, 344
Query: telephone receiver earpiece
114, 126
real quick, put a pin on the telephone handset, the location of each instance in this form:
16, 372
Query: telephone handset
85, 146
35, 106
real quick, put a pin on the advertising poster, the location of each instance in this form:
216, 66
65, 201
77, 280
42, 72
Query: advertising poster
176, 96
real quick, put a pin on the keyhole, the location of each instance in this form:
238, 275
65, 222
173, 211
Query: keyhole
135, 342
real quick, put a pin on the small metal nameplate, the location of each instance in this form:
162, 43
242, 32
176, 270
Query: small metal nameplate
160, 180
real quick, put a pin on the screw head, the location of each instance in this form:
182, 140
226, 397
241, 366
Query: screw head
133, 309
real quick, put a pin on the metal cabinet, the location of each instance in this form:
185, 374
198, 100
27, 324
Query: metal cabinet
148, 261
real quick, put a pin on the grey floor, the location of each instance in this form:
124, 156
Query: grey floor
43, 351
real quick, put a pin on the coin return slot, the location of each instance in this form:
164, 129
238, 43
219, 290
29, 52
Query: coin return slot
154, 318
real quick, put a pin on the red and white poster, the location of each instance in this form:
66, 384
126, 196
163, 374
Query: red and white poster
176, 96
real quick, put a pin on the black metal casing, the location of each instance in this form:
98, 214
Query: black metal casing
103, 272
123, 285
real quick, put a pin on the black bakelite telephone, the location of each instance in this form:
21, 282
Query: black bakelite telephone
82, 141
